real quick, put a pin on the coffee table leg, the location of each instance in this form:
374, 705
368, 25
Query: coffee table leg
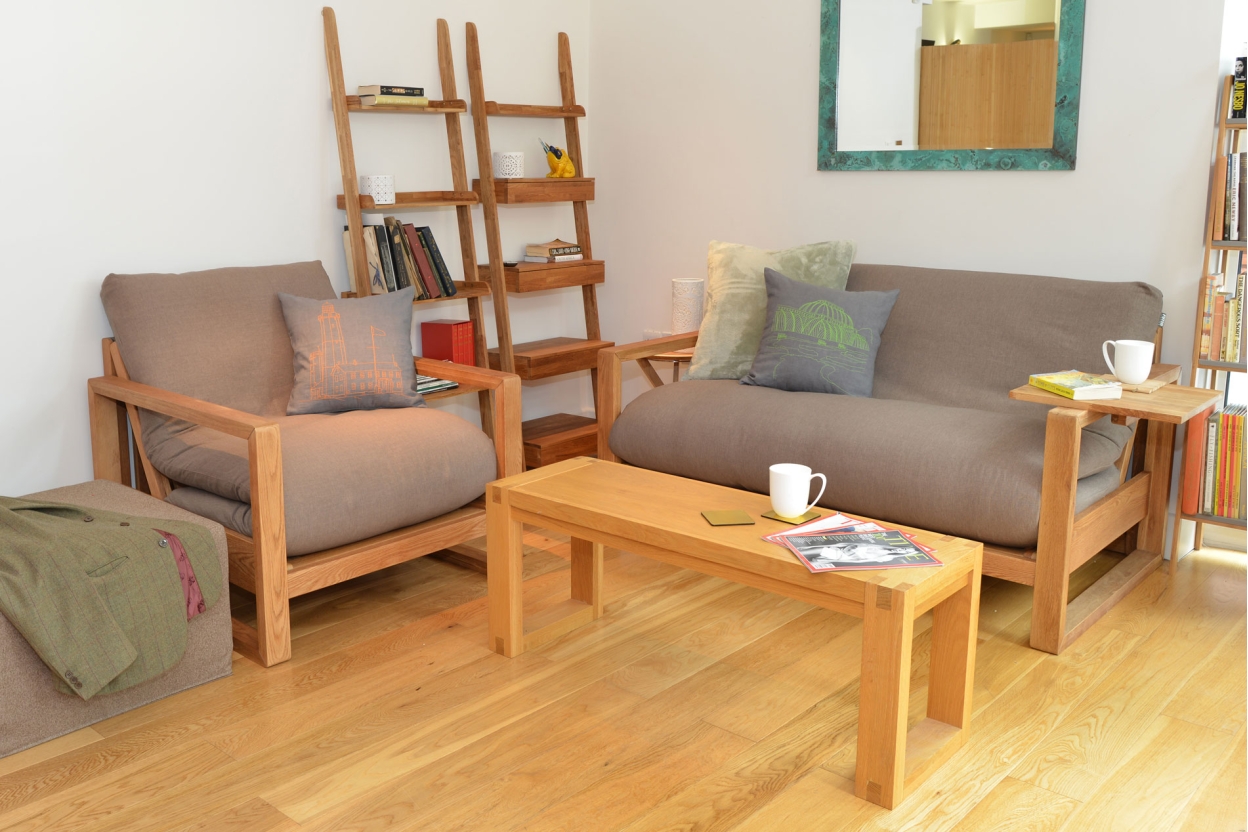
955, 626
884, 694
504, 574
587, 573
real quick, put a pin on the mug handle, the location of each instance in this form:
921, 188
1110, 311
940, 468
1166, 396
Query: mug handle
822, 488
1105, 353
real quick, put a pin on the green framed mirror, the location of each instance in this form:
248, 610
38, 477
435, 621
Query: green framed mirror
949, 84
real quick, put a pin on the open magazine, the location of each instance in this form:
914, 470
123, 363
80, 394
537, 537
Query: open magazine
837, 543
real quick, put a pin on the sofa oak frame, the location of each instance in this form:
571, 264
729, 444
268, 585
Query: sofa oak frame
1067, 539
258, 563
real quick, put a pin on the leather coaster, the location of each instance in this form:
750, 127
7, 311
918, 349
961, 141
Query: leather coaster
734, 517
793, 521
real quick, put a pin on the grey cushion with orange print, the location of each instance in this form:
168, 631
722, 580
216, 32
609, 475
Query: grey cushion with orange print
351, 354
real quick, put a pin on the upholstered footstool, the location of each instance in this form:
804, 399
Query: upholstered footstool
32, 710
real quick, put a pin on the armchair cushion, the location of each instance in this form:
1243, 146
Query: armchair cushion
346, 476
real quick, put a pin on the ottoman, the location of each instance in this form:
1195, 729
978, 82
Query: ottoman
32, 710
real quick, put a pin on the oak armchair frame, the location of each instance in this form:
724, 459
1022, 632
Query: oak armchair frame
258, 563
1067, 539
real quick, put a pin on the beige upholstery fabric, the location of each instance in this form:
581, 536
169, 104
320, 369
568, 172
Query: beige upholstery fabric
965, 339
216, 335
970, 473
33, 711
346, 476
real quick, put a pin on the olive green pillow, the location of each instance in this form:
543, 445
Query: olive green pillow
736, 298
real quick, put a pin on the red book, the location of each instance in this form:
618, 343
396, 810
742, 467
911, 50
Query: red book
422, 262
1194, 462
447, 341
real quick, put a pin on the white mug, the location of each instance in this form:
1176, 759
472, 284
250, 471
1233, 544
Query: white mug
790, 486
1133, 360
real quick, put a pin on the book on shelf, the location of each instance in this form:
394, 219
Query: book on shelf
383, 250
414, 102
405, 273
558, 258
555, 248
1238, 89
448, 340
1194, 461
389, 89
429, 384
433, 254
1233, 172
427, 277
1073, 384
1214, 463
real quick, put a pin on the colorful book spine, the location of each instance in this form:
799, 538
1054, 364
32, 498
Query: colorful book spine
1193, 461
1206, 327
422, 262
383, 249
435, 258
1211, 463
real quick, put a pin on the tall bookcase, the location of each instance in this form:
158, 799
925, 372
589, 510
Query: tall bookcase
1207, 372
462, 198
563, 435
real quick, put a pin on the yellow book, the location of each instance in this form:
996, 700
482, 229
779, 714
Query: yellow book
1076, 385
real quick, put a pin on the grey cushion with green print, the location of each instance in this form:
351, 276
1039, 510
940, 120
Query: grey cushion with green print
819, 340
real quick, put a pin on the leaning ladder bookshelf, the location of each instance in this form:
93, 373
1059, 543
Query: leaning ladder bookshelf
560, 436
1205, 370
355, 205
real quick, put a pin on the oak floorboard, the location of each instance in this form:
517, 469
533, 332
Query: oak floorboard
47, 750
1220, 805
1015, 806
1214, 696
252, 816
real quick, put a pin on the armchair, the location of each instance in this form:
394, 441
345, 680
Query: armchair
212, 441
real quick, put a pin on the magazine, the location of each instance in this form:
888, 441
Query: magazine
841, 550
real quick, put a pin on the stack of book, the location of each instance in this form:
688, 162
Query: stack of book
429, 384
1231, 173
387, 95
1222, 322
1075, 385
1214, 464
556, 251
401, 255
838, 543
447, 340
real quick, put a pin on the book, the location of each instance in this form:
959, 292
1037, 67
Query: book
1075, 385
558, 258
409, 262
386, 89
448, 341
383, 249
1238, 89
435, 260
1241, 283
1219, 205
1211, 462
1243, 194
1206, 326
554, 248
404, 271
1219, 313
394, 101
1193, 461
429, 384
839, 551
427, 276
1232, 197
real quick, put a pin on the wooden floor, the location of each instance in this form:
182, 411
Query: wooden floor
693, 704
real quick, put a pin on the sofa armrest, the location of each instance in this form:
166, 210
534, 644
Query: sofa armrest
503, 412
610, 379
197, 411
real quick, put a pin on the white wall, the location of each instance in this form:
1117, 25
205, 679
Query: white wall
878, 87
725, 150
167, 137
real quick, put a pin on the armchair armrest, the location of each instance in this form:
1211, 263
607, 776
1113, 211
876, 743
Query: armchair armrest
199, 412
610, 379
503, 411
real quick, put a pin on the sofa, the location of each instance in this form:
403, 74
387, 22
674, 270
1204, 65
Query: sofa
939, 444
32, 710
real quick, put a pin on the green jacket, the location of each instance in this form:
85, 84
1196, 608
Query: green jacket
97, 594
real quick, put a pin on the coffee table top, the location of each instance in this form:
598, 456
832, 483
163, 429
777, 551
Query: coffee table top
635, 508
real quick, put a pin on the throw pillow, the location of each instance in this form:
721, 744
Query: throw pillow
736, 300
819, 340
353, 354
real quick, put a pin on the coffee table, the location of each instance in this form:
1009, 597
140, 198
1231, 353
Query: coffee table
658, 516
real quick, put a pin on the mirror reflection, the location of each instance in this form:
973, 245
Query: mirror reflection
947, 74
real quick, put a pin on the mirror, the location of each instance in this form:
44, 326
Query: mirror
949, 84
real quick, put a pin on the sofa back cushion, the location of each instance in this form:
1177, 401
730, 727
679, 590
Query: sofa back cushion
216, 335
965, 339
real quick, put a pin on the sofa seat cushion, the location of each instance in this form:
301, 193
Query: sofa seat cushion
971, 473
346, 476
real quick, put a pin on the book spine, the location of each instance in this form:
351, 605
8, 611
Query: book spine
439, 265
1243, 194
433, 267
1219, 210
1052, 388
1193, 459
1238, 94
422, 262
409, 262
1219, 493
1237, 463
383, 248
1206, 327
1211, 464
1232, 198
1219, 315
395, 234
376, 283
394, 101
416, 92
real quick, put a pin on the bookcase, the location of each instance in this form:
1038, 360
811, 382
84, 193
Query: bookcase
1206, 371
560, 436
470, 289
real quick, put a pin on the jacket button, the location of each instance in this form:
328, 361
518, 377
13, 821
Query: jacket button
87, 519
163, 542
124, 523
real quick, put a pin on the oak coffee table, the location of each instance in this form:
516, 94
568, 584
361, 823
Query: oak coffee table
658, 516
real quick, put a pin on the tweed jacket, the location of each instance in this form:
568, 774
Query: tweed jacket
98, 594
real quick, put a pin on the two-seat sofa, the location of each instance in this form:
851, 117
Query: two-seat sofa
939, 444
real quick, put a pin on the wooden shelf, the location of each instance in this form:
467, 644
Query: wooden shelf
553, 356
538, 277
558, 437
1206, 364
434, 108
493, 108
1218, 244
468, 289
461, 390
1236, 123
414, 199
516, 191
1214, 520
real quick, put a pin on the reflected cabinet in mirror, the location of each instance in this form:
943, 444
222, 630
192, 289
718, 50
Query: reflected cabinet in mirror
949, 84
